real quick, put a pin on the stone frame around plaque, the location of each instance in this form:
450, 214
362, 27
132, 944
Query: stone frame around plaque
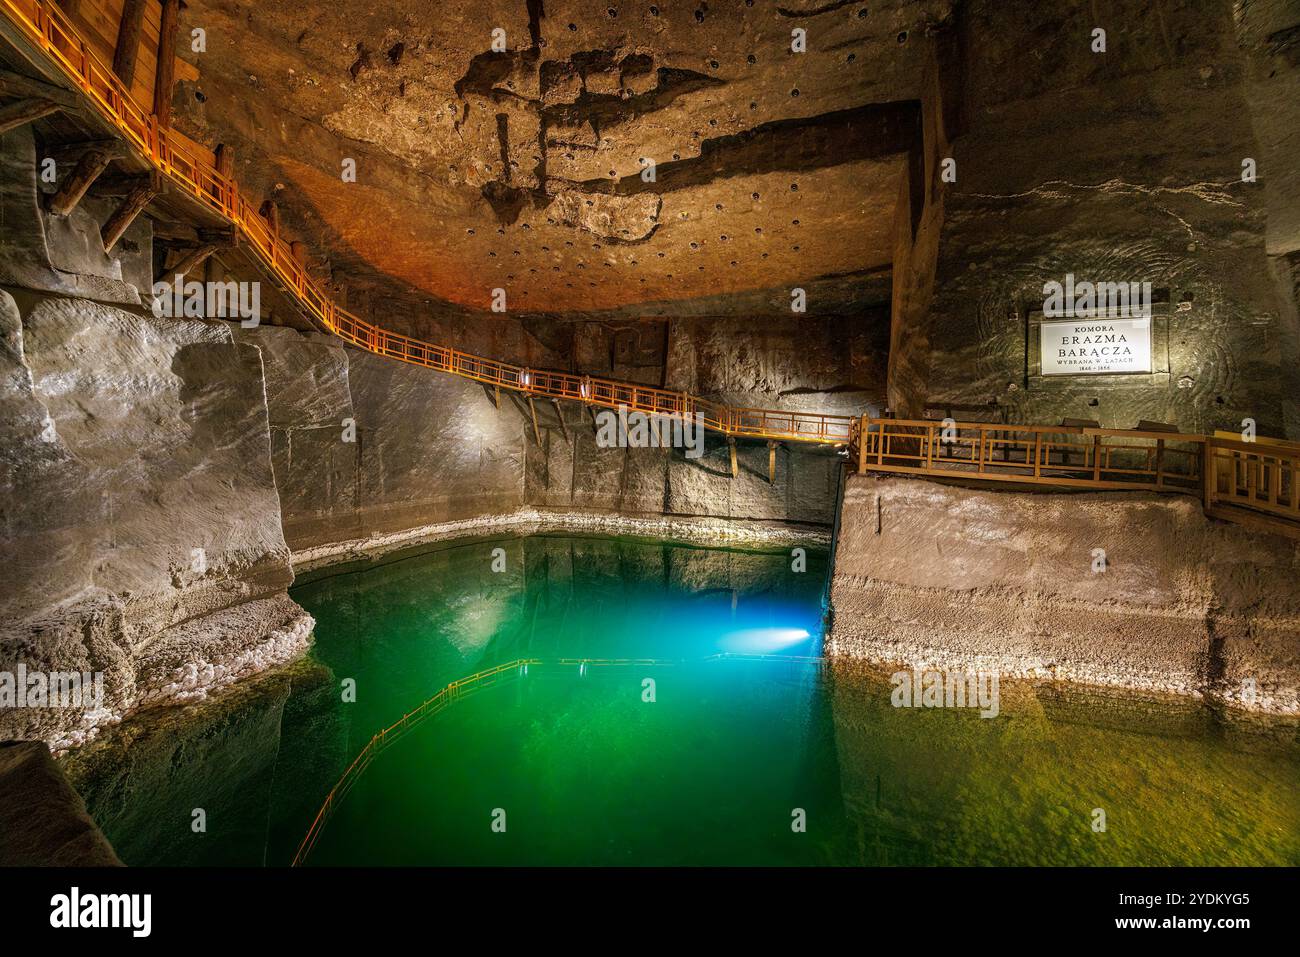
1159, 375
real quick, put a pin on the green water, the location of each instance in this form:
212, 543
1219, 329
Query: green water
711, 752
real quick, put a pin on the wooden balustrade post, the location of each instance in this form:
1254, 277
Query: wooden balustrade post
1208, 480
863, 432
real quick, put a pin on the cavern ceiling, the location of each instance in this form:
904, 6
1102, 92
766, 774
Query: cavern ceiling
528, 169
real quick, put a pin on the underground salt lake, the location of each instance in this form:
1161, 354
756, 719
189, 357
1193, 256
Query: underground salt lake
662, 704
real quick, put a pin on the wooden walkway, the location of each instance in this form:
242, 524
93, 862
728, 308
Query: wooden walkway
1253, 483
191, 171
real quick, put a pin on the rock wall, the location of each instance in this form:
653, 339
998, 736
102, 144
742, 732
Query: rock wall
141, 523
1117, 166
934, 574
43, 821
363, 446
63, 255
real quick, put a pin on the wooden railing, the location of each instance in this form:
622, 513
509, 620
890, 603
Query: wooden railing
193, 172
1235, 478
1262, 477
1253, 482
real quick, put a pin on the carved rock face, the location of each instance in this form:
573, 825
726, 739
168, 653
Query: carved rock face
581, 158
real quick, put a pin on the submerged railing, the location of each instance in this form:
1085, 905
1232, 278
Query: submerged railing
463, 688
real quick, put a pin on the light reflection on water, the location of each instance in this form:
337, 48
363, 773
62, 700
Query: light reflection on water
708, 772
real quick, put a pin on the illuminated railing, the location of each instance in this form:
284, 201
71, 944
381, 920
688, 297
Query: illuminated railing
1262, 476
50, 29
1237, 479
480, 681
1232, 476
1034, 454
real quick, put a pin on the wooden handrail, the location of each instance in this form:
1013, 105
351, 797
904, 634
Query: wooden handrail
1227, 472
1250, 482
47, 27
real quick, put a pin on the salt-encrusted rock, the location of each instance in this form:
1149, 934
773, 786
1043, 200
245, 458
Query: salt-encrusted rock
138, 499
937, 575
43, 822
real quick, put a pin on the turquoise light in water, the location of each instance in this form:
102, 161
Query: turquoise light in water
742, 728
763, 641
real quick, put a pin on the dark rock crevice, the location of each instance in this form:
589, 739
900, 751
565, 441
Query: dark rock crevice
791, 145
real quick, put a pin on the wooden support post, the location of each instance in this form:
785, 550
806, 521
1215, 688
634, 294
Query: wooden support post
497, 397
1209, 484
128, 40
190, 260
164, 84
22, 112
559, 414
771, 463
731, 446
131, 207
271, 213
15, 84
225, 160
537, 432
92, 163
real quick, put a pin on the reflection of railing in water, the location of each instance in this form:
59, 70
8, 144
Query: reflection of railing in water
191, 168
481, 681
1249, 482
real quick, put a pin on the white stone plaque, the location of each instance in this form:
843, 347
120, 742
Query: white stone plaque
1095, 346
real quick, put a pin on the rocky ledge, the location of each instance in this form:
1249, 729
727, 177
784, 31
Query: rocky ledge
1124, 589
